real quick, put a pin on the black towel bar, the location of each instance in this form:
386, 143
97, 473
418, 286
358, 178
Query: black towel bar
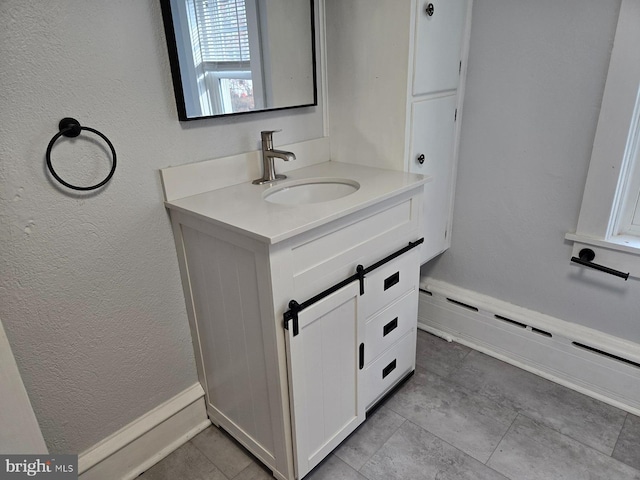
585, 258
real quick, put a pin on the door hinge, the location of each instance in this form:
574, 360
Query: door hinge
455, 116
460, 68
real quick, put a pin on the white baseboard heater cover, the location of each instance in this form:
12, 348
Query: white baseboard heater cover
586, 360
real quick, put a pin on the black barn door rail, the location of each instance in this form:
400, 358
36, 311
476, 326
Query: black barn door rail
295, 308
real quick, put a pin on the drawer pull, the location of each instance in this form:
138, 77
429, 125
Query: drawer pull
388, 369
361, 360
390, 327
392, 280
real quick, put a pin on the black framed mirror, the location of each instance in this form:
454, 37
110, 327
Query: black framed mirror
232, 57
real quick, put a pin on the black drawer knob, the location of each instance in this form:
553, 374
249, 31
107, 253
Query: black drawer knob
430, 10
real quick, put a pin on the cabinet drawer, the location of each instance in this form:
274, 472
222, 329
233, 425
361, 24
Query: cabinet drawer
390, 281
390, 325
322, 258
387, 369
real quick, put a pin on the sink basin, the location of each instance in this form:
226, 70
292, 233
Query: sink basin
310, 190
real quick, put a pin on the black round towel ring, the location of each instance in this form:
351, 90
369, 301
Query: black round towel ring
70, 127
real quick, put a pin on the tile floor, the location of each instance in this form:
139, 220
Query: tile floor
463, 415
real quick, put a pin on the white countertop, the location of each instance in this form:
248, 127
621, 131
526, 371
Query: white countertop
242, 208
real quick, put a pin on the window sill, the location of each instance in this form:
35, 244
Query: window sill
620, 252
623, 243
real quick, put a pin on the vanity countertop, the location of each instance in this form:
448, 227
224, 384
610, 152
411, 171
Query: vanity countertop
242, 208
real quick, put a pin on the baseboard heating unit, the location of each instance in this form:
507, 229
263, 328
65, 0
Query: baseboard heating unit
586, 360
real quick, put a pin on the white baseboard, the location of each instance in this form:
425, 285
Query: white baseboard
600, 365
147, 440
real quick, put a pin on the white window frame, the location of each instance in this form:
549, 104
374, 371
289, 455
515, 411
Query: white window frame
600, 225
202, 95
628, 213
221, 102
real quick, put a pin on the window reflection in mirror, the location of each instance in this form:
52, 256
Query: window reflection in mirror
238, 56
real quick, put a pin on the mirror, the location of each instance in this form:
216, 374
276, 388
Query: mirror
230, 57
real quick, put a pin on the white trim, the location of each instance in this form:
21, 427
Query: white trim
622, 243
321, 64
462, 86
147, 440
620, 252
609, 164
627, 210
555, 358
411, 65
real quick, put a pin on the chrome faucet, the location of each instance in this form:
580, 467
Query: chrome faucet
268, 154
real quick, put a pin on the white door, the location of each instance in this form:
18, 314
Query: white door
327, 399
19, 429
438, 48
432, 145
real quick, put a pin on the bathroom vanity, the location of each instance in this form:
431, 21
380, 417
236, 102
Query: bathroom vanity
303, 315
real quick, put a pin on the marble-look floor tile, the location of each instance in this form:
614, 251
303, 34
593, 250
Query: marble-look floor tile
581, 417
532, 451
334, 469
412, 453
437, 355
186, 462
466, 420
224, 452
369, 437
628, 447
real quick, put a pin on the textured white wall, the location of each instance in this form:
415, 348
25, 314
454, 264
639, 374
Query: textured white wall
90, 292
534, 87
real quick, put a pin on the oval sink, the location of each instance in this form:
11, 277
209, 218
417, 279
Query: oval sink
310, 190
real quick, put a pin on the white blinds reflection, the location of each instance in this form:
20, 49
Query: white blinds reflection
222, 31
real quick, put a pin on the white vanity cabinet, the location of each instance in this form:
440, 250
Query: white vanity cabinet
348, 350
291, 394
325, 377
396, 72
